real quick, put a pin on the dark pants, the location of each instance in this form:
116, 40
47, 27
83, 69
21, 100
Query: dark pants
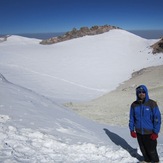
148, 148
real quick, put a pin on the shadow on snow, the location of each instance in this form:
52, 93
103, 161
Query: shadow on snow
121, 142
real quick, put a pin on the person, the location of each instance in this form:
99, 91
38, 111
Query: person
145, 124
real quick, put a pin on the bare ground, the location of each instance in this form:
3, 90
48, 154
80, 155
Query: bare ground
113, 107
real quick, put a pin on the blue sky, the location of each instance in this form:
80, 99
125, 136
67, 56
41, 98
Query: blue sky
36, 16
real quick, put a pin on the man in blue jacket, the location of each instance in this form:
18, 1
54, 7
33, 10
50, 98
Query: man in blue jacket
145, 123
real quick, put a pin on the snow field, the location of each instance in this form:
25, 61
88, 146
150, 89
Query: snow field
35, 82
27, 145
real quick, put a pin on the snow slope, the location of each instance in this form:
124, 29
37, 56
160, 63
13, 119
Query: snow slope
36, 80
35, 129
82, 68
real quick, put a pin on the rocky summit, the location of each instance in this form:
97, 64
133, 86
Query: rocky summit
158, 47
83, 31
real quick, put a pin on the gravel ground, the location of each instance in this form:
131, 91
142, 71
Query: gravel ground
113, 107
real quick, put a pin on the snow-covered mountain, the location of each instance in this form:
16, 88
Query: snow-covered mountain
35, 81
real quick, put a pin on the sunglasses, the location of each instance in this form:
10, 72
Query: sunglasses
141, 91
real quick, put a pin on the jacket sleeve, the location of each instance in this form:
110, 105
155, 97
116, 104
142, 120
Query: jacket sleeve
156, 120
131, 119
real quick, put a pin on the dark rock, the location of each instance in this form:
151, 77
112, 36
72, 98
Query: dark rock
83, 31
158, 47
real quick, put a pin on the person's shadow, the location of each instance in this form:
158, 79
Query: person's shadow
121, 142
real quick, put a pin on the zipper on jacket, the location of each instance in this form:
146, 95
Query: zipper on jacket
141, 116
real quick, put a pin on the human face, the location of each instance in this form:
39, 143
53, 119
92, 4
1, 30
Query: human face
141, 94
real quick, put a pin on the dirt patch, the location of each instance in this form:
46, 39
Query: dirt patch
113, 108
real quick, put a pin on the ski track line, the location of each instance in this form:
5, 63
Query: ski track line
57, 78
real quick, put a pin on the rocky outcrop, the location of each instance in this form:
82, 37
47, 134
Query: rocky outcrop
83, 31
3, 38
158, 47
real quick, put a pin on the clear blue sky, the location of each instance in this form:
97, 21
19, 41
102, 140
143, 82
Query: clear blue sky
35, 16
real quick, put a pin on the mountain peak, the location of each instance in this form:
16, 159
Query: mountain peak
74, 33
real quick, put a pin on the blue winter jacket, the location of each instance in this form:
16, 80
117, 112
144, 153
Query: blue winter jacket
145, 117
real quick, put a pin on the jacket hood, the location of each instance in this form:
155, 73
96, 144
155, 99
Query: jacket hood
146, 92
